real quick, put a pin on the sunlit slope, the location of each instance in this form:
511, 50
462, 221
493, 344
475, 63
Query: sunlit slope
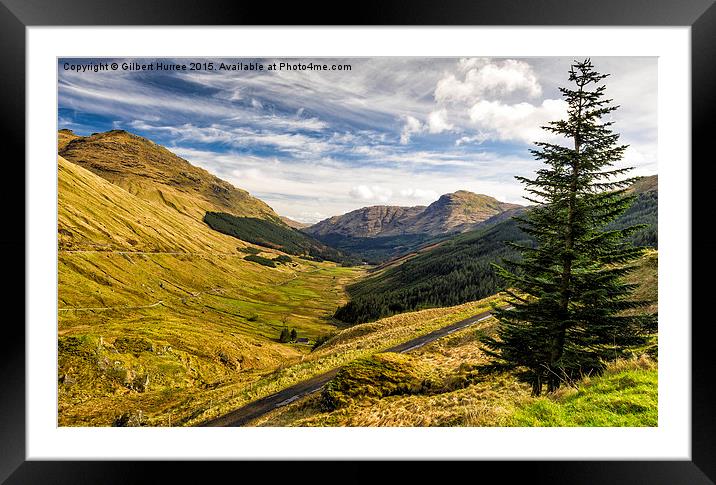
154, 173
94, 214
64, 137
154, 307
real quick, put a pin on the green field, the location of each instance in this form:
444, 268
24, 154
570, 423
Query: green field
202, 322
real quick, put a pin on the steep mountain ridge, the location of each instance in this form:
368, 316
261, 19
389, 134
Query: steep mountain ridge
373, 221
458, 212
378, 233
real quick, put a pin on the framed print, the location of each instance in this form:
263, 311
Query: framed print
427, 235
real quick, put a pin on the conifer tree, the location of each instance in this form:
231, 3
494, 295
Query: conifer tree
568, 293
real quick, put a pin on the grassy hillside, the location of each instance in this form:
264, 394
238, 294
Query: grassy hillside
96, 215
155, 174
412, 394
460, 269
155, 309
64, 137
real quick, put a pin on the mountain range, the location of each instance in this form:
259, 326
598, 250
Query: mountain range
455, 212
371, 234
379, 233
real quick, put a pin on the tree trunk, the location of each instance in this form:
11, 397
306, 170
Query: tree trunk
537, 385
565, 284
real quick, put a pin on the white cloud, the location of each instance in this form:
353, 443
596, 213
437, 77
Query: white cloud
487, 79
468, 63
253, 174
273, 122
412, 125
521, 121
420, 194
373, 192
464, 140
437, 121
256, 103
297, 144
289, 185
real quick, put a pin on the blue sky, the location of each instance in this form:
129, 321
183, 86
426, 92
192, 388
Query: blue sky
397, 131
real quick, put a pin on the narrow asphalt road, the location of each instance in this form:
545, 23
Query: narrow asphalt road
258, 408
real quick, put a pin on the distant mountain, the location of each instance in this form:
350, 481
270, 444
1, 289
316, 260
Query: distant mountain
156, 175
645, 184
374, 221
454, 212
458, 212
378, 233
460, 268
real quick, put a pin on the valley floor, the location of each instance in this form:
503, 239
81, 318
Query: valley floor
144, 337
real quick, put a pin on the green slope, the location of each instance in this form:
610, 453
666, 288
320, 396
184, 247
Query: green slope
267, 233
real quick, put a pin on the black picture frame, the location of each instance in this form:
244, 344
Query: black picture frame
16, 15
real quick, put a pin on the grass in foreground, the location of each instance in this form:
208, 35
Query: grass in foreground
626, 395
439, 385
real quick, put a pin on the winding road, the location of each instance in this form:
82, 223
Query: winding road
258, 408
